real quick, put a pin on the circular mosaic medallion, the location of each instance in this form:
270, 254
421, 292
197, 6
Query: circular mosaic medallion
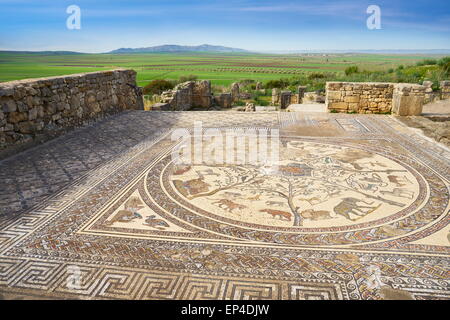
317, 193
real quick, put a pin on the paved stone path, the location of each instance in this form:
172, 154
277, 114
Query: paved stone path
358, 208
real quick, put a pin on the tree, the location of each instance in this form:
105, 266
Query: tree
158, 86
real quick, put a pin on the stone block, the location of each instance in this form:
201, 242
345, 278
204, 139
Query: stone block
334, 95
9, 106
338, 106
351, 99
15, 117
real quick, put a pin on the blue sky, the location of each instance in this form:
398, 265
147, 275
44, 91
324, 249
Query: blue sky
262, 25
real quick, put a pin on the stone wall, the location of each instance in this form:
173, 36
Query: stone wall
35, 110
375, 97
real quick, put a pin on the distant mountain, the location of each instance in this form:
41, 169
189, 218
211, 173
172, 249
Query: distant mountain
177, 48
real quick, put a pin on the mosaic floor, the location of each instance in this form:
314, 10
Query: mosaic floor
358, 208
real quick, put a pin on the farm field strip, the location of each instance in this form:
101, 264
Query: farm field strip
222, 69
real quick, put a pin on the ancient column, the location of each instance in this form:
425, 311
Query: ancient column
301, 93
285, 99
275, 96
235, 91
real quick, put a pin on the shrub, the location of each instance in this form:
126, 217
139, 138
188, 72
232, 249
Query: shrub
444, 64
246, 82
351, 70
316, 75
277, 84
427, 62
443, 61
158, 86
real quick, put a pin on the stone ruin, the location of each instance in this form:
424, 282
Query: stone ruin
445, 89
224, 100
191, 94
186, 95
363, 97
286, 98
441, 94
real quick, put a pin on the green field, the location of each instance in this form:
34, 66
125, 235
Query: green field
221, 69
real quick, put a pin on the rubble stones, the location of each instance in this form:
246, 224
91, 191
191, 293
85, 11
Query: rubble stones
250, 107
313, 97
445, 89
224, 100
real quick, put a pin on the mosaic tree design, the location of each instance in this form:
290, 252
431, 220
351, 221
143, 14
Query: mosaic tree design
303, 176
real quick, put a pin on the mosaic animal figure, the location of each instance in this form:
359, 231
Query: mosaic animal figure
206, 172
314, 215
371, 182
124, 216
232, 195
352, 156
196, 186
275, 203
399, 193
375, 178
180, 170
312, 200
349, 206
130, 212
156, 223
399, 181
255, 198
283, 215
228, 205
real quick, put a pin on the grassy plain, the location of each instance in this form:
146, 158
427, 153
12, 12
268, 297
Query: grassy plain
221, 69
